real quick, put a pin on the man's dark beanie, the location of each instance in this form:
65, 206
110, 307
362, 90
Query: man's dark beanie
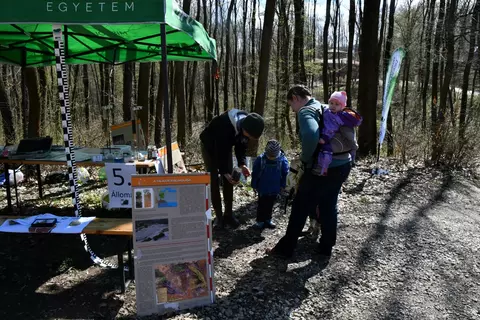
253, 124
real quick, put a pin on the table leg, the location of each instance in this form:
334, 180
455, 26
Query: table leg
7, 185
130, 260
121, 271
16, 188
39, 180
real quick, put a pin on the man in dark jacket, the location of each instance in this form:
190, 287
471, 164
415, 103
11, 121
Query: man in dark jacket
234, 128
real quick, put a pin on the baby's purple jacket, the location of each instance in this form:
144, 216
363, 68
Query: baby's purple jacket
333, 121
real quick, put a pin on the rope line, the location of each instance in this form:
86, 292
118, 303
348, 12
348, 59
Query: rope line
63, 92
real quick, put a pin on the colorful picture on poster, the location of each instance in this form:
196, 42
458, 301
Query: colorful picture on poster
181, 281
151, 230
167, 197
147, 198
138, 199
144, 198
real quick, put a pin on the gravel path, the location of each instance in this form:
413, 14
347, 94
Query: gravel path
408, 248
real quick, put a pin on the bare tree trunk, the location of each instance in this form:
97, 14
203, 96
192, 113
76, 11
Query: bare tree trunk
326, 90
382, 27
277, 83
386, 60
193, 77
86, 91
74, 85
285, 77
351, 35
208, 106
244, 57
428, 50
472, 95
151, 102
15, 95
267, 35
159, 111
108, 89
142, 100
405, 84
180, 91
34, 103
449, 65
208, 98
436, 61
127, 90
333, 72
42, 80
227, 56
368, 78
253, 69
299, 75
192, 97
6, 112
451, 93
236, 103
466, 72
24, 107
102, 87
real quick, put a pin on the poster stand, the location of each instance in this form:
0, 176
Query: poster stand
172, 241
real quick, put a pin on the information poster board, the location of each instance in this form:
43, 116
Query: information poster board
119, 178
172, 238
122, 134
177, 160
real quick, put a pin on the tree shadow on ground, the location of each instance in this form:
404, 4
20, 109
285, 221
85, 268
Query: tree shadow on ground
420, 245
44, 276
281, 290
358, 186
410, 231
230, 240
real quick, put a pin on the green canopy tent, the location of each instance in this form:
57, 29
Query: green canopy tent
112, 32
37, 33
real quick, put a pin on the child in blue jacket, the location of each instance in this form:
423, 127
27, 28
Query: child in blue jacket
269, 178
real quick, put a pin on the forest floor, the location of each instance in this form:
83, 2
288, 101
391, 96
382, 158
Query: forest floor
408, 248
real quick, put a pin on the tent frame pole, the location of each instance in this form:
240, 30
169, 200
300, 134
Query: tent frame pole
24, 94
166, 106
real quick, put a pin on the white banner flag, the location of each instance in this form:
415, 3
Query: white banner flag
389, 85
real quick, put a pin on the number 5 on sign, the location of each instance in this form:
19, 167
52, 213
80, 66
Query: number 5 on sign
119, 176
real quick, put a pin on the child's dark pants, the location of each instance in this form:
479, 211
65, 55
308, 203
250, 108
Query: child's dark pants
265, 207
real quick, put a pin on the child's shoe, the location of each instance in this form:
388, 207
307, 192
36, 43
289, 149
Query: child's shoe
269, 224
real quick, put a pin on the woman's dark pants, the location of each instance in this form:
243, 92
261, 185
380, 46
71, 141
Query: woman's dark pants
315, 190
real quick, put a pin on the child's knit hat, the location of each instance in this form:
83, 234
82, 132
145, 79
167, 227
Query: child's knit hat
340, 96
272, 149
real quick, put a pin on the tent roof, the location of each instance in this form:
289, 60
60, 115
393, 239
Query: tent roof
111, 32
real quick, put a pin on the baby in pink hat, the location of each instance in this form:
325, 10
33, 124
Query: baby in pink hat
337, 115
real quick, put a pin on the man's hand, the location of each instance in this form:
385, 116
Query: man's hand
228, 176
245, 171
321, 141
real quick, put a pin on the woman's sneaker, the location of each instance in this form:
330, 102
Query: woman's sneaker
259, 225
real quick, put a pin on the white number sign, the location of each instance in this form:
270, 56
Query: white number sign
119, 176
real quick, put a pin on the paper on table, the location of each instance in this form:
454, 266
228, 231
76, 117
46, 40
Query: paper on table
64, 224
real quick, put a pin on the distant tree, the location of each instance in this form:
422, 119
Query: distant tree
368, 78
